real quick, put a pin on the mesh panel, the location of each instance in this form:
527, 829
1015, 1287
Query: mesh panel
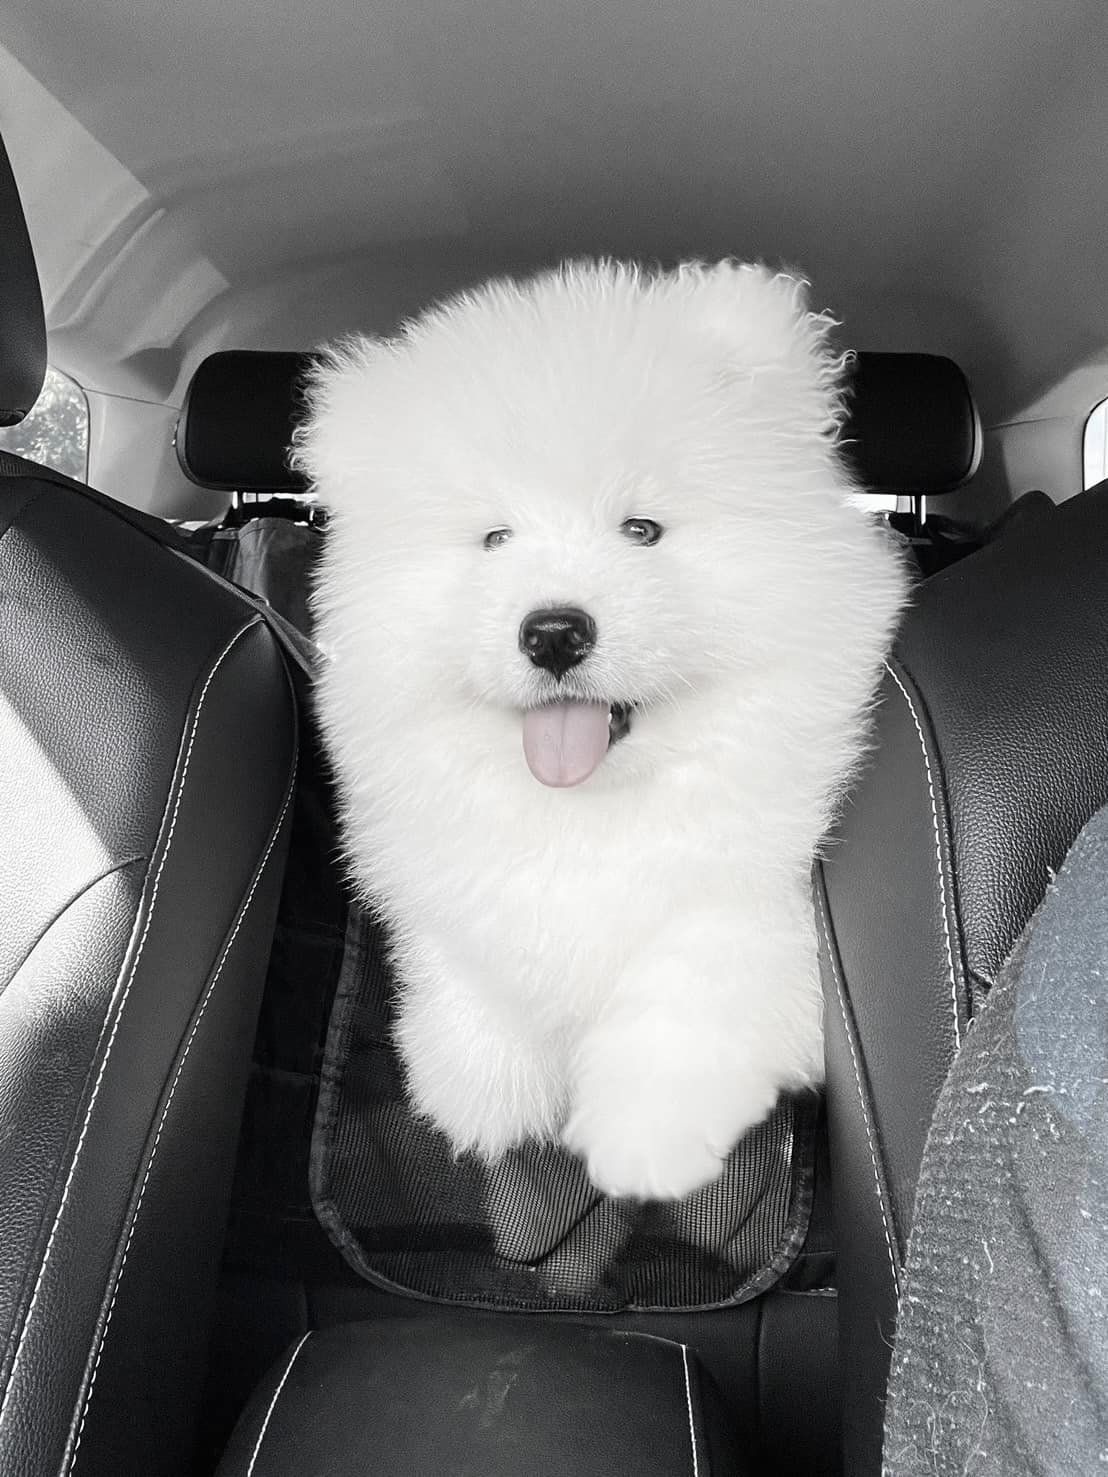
530, 1232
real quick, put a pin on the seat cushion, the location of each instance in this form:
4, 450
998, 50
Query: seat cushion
474, 1396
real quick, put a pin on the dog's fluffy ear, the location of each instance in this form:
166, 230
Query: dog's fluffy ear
765, 329
328, 445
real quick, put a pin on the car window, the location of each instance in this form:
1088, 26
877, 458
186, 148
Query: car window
1096, 445
55, 432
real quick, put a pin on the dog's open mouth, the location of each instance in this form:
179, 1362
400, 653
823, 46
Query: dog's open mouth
564, 742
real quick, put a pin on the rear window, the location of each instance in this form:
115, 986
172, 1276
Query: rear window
55, 432
1096, 445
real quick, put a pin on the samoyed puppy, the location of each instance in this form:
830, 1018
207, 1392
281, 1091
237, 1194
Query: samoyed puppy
602, 632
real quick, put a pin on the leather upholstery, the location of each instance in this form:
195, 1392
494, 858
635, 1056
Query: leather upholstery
991, 753
912, 425
22, 326
147, 734
495, 1396
236, 424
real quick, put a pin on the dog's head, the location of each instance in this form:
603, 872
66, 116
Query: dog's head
580, 501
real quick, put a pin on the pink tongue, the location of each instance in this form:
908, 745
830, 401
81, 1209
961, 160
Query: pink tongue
564, 742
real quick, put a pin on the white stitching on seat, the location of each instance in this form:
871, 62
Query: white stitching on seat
273, 1403
938, 854
688, 1402
161, 1122
832, 959
115, 1025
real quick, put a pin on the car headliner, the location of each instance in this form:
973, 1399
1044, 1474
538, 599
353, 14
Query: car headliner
270, 173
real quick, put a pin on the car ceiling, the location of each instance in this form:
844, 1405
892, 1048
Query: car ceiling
271, 173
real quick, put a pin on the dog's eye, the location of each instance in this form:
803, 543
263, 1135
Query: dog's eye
641, 530
496, 537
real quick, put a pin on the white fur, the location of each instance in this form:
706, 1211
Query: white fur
630, 965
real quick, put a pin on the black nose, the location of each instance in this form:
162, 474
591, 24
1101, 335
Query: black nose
557, 639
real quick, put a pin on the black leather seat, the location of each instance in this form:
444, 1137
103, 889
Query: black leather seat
496, 1396
147, 750
991, 754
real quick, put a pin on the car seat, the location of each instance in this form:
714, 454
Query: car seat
147, 750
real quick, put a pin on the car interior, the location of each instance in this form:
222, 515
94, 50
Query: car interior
224, 1245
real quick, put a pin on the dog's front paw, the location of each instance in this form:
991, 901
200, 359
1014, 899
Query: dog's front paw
660, 1130
485, 1090
645, 1159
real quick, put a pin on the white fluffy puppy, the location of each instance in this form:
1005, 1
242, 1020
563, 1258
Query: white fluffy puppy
603, 631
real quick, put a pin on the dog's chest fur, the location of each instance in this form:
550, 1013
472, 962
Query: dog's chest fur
540, 898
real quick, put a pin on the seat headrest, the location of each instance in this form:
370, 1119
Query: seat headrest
235, 427
912, 426
22, 323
